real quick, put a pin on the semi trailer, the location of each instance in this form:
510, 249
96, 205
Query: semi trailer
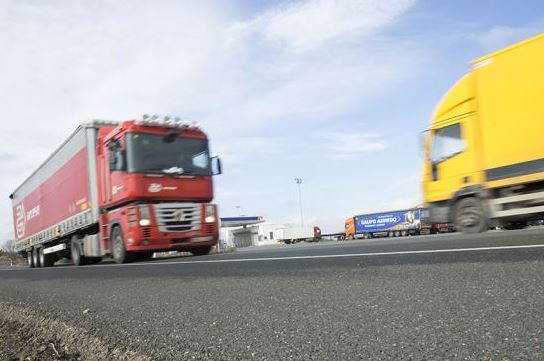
484, 151
388, 224
125, 189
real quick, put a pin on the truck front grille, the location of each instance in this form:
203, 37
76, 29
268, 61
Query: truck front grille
177, 217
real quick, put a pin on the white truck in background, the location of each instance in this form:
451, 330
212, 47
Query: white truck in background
294, 234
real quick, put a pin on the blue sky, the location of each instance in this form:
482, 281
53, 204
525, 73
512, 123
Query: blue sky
334, 92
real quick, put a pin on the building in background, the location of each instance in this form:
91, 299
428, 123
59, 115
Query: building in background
248, 231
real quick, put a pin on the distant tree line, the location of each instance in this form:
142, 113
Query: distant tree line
7, 251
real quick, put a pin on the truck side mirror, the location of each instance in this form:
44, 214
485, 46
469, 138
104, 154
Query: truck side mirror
216, 166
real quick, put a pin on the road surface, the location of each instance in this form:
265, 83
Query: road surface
435, 297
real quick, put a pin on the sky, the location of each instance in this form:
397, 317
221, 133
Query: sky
334, 92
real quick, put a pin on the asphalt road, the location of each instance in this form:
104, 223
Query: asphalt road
437, 297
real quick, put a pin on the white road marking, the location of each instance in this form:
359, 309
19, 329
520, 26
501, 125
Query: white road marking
348, 255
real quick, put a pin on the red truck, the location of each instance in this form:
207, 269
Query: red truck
125, 189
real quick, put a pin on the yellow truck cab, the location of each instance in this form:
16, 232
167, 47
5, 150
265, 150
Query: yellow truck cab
484, 151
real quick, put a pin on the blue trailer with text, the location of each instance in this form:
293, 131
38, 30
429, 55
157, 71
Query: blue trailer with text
392, 224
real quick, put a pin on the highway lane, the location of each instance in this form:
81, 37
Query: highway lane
332, 300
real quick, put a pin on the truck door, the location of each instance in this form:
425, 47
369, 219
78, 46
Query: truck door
114, 182
451, 164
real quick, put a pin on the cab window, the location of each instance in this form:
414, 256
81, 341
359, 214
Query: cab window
447, 142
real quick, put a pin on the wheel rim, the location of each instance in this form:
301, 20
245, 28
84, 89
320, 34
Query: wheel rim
42, 257
470, 218
75, 254
35, 258
117, 246
29, 259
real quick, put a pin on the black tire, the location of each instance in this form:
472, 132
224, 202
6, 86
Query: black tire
118, 249
36, 257
46, 260
75, 252
470, 216
201, 251
29, 261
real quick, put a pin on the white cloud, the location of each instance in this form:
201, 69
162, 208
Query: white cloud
501, 36
352, 144
306, 25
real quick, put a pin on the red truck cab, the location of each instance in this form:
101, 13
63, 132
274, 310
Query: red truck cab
155, 185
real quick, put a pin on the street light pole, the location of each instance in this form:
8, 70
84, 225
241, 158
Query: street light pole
298, 181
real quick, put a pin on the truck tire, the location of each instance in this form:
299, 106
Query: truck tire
470, 216
46, 260
36, 257
403, 233
29, 261
201, 251
75, 252
118, 249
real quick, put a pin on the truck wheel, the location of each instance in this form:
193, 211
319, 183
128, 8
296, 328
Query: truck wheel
35, 257
46, 260
75, 252
390, 234
201, 251
404, 233
29, 261
397, 234
470, 216
118, 249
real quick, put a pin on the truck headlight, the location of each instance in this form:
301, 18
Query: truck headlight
210, 214
145, 222
145, 215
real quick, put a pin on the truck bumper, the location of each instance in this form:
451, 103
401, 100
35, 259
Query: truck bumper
151, 239
174, 244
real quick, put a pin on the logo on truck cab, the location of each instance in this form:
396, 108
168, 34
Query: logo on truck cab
157, 187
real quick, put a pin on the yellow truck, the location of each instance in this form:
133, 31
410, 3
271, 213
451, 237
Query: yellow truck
484, 151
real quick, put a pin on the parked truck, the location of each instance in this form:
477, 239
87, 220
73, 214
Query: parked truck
295, 234
484, 151
123, 189
388, 224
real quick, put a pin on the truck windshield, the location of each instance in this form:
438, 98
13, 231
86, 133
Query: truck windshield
150, 153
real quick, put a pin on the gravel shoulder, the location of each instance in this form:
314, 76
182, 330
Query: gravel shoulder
25, 335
